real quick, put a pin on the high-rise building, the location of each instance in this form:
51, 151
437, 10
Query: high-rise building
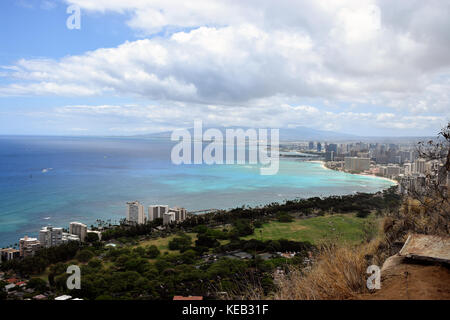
135, 212
50, 236
28, 246
319, 146
332, 147
180, 213
420, 165
79, 229
408, 168
157, 211
354, 164
311, 145
329, 156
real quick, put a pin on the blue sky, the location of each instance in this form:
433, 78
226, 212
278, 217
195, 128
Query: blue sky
361, 67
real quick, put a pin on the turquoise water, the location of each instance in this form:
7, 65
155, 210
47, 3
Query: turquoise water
92, 178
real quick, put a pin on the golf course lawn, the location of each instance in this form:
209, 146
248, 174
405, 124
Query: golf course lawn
338, 227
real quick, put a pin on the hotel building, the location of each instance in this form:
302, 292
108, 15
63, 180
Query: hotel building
135, 213
354, 164
50, 237
79, 229
157, 211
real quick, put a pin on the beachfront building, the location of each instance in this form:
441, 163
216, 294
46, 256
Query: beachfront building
79, 229
157, 211
50, 236
168, 217
9, 254
135, 213
355, 164
393, 171
28, 246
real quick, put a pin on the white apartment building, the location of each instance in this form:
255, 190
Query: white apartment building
157, 211
28, 246
79, 229
168, 218
50, 236
135, 212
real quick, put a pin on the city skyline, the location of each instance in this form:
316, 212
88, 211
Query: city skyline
368, 68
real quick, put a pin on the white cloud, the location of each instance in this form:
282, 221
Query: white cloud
155, 118
386, 54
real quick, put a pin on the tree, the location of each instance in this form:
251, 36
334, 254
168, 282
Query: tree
3, 294
426, 206
243, 227
206, 241
92, 237
152, 252
95, 263
182, 242
37, 284
84, 255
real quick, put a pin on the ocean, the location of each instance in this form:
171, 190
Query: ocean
56, 180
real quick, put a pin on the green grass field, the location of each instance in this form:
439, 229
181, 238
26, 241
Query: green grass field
163, 243
339, 227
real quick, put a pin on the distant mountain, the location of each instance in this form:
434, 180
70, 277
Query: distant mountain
304, 133
286, 134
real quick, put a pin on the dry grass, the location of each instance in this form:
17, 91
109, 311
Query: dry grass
339, 273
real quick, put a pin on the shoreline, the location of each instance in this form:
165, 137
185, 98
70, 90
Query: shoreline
322, 163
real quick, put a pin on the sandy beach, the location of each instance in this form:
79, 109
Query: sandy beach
322, 163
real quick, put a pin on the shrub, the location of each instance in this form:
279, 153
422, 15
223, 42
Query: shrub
284, 217
363, 213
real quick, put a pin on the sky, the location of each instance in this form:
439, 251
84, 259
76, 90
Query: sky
363, 67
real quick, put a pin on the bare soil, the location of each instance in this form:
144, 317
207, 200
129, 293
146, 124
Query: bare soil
413, 281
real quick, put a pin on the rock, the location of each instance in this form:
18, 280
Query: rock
392, 261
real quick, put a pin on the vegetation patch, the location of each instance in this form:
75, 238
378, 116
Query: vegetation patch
344, 227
